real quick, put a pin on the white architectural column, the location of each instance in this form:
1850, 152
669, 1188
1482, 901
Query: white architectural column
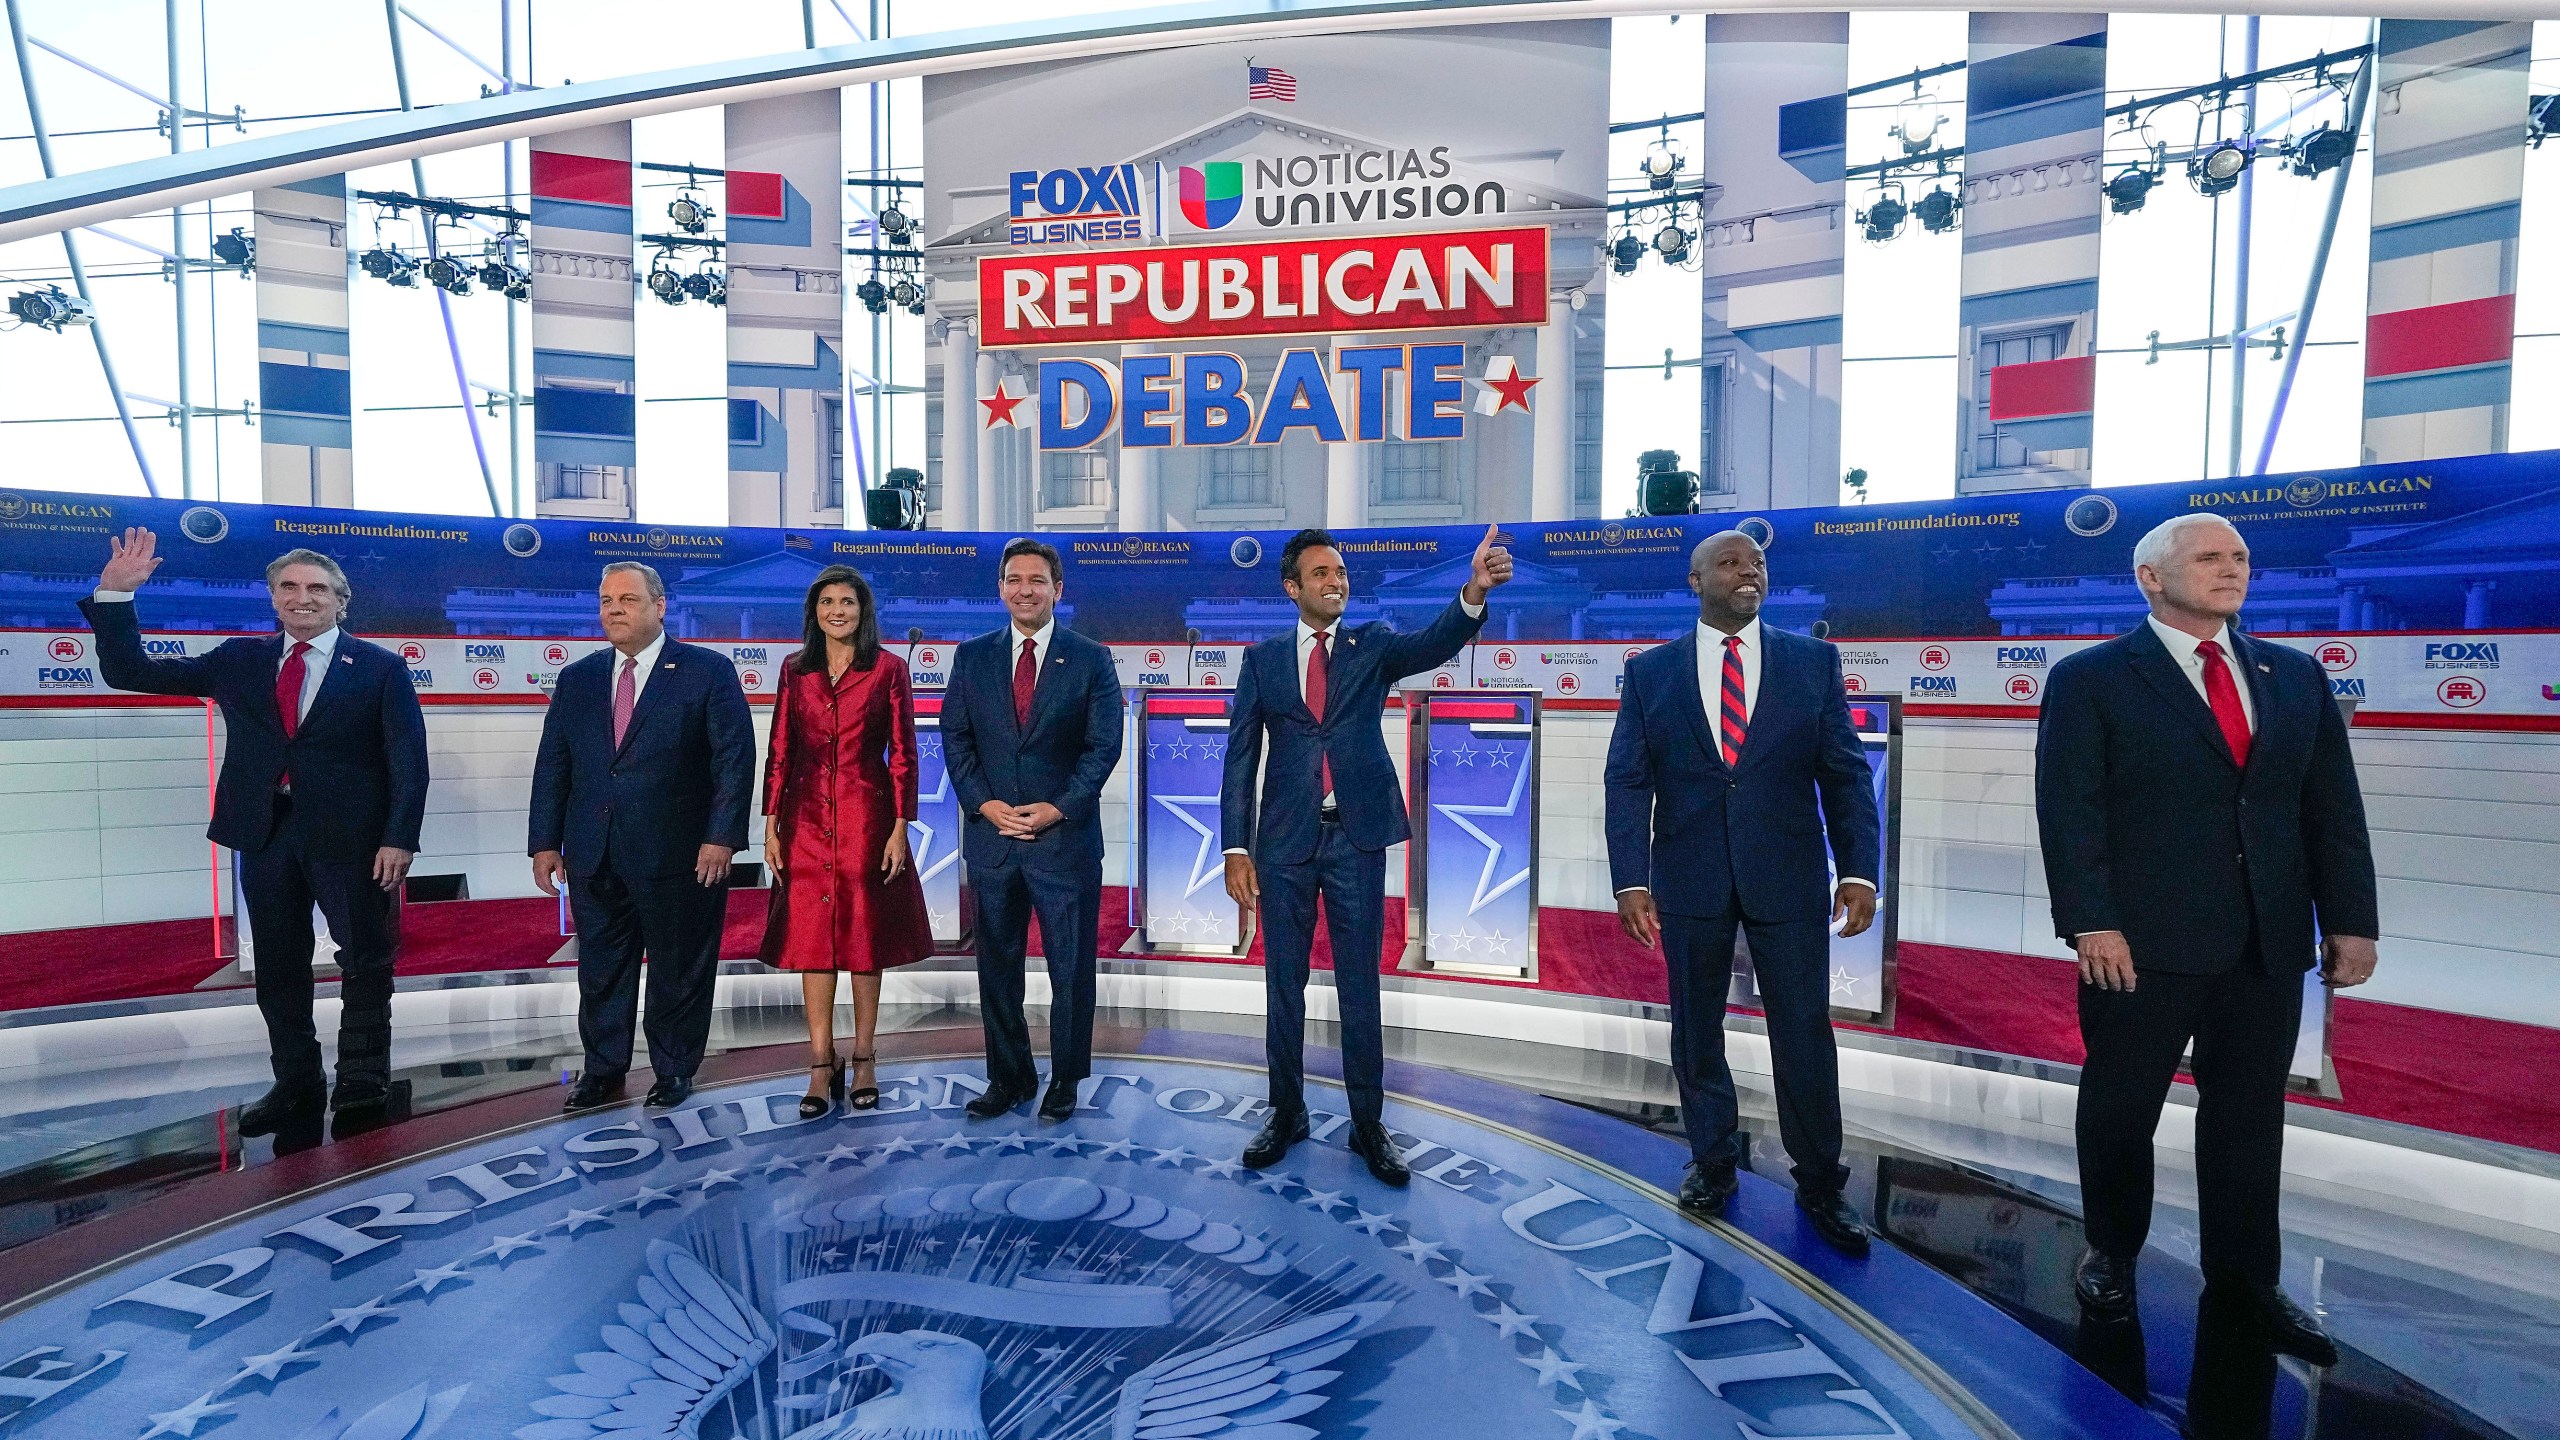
959, 426
1551, 421
989, 438
1346, 465
1137, 490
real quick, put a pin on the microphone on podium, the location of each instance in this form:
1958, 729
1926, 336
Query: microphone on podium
1821, 629
1191, 635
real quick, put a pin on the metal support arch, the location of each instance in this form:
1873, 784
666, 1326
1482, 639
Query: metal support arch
2357, 96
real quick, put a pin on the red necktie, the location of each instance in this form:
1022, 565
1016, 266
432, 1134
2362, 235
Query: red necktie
1316, 663
1026, 678
2224, 695
1732, 721
289, 698
626, 697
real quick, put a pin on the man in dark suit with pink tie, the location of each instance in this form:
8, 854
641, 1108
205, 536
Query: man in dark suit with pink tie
2204, 843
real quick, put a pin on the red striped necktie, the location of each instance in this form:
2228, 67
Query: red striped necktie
1732, 721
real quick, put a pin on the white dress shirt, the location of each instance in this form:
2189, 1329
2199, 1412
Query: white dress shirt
315, 662
2183, 649
1013, 638
1711, 692
648, 658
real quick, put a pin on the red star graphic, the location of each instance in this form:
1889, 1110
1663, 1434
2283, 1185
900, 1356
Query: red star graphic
1514, 391
1000, 407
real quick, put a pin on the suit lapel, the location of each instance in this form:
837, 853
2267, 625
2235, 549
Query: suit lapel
338, 678
2258, 673
1284, 649
1691, 704
2152, 661
1776, 670
650, 694
1049, 683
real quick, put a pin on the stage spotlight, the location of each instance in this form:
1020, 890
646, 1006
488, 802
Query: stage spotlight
1936, 211
690, 213
2130, 188
665, 283
239, 249
873, 295
1625, 253
501, 276
1662, 487
1671, 242
708, 285
52, 308
2542, 118
2321, 151
449, 273
391, 265
906, 294
1882, 219
894, 225
1662, 164
2217, 171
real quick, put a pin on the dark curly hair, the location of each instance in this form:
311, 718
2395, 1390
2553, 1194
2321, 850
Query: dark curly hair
1299, 544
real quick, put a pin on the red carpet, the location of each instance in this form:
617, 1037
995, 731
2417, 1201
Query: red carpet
2456, 1073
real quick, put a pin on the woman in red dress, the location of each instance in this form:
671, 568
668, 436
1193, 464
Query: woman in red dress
840, 787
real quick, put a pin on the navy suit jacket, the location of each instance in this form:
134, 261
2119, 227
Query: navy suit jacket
1063, 756
2149, 828
683, 779
1698, 833
358, 759
1366, 662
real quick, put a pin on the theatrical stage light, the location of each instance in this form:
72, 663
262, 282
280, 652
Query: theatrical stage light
1663, 487
1936, 211
1882, 220
690, 212
873, 295
2542, 117
906, 294
1671, 242
449, 273
2321, 151
665, 283
53, 308
708, 285
894, 225
1662, 165
2217, 171
501, 276
239, 249
2130, 188
390, 265
1625, 253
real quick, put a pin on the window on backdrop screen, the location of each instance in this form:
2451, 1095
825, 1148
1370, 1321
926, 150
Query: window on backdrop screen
1237, 475
1074, 479
556, 481
1586, 444
1992, 450
831, 480
1710, 466
1416, 472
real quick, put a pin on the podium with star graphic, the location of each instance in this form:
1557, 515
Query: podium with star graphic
1178, 903
1471, 902
1862, 981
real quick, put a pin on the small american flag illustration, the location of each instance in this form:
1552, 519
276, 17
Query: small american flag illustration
1270, 82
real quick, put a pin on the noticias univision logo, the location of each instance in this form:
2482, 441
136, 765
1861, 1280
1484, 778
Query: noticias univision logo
1212, 194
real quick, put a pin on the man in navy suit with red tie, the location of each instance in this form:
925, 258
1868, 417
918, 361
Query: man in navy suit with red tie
2204, 843
1732, 758
323, 789
1330, 807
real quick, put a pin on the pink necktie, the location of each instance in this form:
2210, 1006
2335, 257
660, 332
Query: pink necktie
1316, 665
2224, 694
289, 698
626, 694
1733, 724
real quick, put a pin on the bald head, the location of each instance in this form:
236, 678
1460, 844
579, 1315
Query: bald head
1731, 578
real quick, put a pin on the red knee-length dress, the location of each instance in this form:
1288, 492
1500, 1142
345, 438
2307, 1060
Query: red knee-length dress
840, 772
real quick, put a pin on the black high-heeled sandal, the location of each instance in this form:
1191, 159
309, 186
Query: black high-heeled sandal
813, 1106
865, 1097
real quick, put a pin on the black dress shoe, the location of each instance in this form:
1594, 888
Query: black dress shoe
1706, 1189
1835, 1220
1284, 1129
2287, 1328
1371, 1142
1060, 1102
359, 1093
999, 1100
670, 1092
2104, 1284
281, 1106
592, 1091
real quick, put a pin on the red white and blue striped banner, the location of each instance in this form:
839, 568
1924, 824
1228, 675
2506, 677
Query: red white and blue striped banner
2448, 182
789, 460
584, 391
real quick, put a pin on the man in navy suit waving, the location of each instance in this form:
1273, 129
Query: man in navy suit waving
1732, 758
2204, 844
1030, 731
640, 796
323, 787
1330, 807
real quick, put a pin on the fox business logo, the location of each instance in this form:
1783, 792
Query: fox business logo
412, 653
1933, 687
1081, 205
421, 678
164, 647
1936, 657
1208, 657
65, 648
2021, 657
484, 650
2334, 655
66, 677
2463, 655
2346, 687
749, 655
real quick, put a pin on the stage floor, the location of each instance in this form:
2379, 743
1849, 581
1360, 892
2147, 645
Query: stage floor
486, 1267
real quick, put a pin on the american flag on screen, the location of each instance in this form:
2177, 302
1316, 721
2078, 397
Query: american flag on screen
1270, 82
